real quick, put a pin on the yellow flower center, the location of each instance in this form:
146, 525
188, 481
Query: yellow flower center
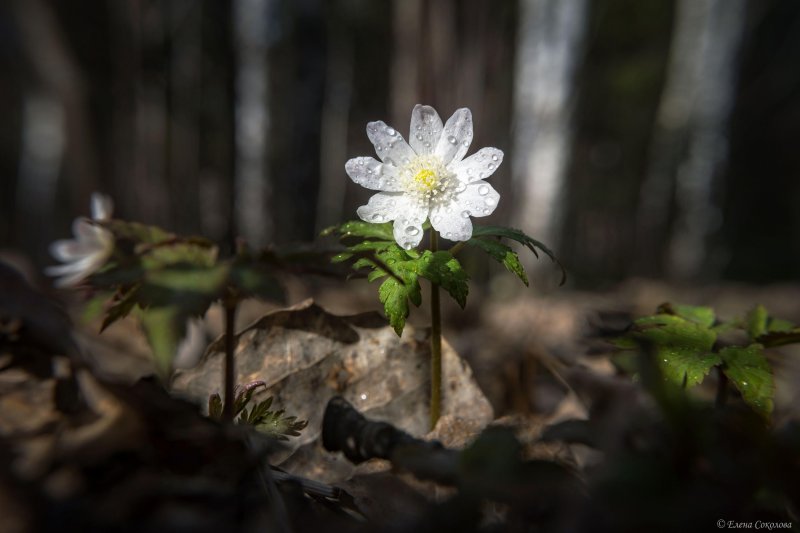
429, 182
426, 178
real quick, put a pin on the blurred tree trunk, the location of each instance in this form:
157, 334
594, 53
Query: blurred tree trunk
679, 199
549, 50
252, 191
56, 129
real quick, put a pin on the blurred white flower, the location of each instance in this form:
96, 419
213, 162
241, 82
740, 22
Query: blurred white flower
428, 178
88, 251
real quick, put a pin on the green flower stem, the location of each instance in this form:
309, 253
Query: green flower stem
436, 343
229, 378
457, 248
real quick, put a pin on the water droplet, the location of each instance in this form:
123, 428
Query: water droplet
465, 214
490, 166
469, 171
418, 136
363, 396
490, 201
412, 230
452, 140
460, 187
379, 148
377, 217
427, 144
390, 131
390, 203
744, 383
483, 190
408, 246
419, 127
494, 157
361, 162
465, 143
486, 211
448, 235
369, 171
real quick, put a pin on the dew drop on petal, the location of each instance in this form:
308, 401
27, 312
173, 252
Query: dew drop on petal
408, 245
483, 190
363, 396
460, 187
412, 230
390, 132
448, 235
490, 166
427, 144
379, 148
418, 136
490, 201
452, 140
377, 217
465, 144
494, 157
361, 162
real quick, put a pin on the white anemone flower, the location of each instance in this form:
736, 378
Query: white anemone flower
88, 251
428, 178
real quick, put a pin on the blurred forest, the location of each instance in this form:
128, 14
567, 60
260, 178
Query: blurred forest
642, 138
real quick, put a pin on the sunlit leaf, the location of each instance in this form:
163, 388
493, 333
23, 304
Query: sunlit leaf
503, 254
698, 314
683, 347
520, 237
748, 369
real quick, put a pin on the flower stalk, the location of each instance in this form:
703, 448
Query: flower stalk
436, 343
229, 374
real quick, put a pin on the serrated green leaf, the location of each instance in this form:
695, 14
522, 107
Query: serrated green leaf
520, 237
395, 296
136, 232
683, 347
358, 228
756, 322
121, 307
444, 270
701, 315
503, 254
186, 252
164, 327
748, 369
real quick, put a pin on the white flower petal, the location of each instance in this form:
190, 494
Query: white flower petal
389, 144
382, 207
408, 226
452, 223
68, 250
479, 165
372, 174
83, 230
479, 199
426, 129
456, 137
102, 206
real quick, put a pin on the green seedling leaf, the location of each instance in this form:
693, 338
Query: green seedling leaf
503, 254
215, 406
703, 316
683, 347
520, 237
748, 369
281, 427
